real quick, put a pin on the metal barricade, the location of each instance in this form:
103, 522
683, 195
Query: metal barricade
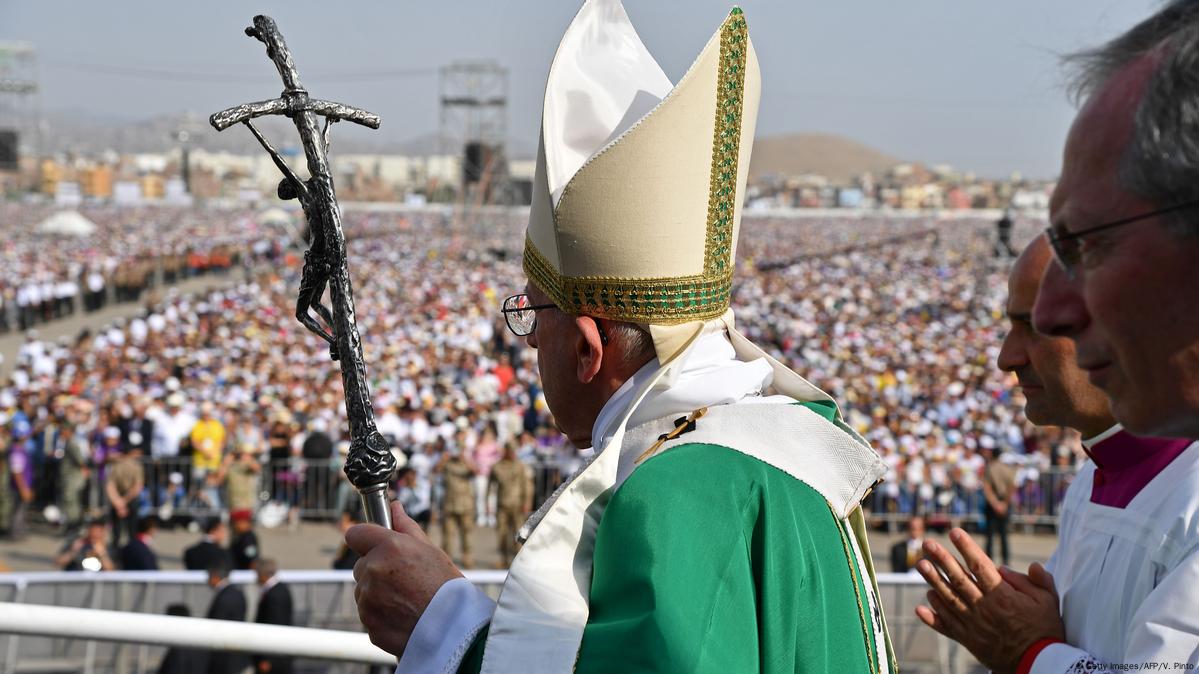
317, 489
176, 489
1036, 502
325, 599
322, 599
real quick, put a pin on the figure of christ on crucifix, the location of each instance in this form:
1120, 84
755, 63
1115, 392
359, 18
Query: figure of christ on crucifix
370, 464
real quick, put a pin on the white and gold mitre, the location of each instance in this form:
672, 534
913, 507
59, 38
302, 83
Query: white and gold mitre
638, 191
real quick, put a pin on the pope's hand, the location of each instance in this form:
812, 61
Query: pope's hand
397, 576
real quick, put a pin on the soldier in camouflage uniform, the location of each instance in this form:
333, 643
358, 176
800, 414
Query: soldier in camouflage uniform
7, 496
512, 481
458, 507
74, 472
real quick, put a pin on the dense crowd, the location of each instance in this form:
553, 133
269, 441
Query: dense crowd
49, 275
227, 402
905, 337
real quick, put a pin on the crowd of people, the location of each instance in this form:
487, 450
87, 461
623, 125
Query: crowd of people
225, 403
45, 276
906, 338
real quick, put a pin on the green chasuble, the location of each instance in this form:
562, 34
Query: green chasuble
708, 560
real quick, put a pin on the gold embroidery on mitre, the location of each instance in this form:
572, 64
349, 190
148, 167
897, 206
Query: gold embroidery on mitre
677, 299
726, 145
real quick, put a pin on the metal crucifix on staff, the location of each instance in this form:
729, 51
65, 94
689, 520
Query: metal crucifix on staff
370, 464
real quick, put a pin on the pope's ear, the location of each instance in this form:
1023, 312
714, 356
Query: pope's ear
589, 348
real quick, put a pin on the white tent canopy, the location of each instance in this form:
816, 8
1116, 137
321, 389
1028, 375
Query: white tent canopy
67, 223
276, 216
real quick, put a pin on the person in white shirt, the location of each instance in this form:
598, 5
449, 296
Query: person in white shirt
95, 289
138, 331
392, 427
33, 292
171, 426
1123, 585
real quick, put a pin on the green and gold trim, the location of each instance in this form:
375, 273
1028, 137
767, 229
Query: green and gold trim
651, 300
726, 146
680, 299
859, 589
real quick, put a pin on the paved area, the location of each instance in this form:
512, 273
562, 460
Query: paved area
313, 545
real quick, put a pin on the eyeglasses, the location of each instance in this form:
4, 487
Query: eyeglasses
1066, 246
521, 316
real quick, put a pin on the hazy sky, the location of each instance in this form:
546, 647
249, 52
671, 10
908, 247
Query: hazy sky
966, 82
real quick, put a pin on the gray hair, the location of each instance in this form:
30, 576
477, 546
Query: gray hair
266, 567
637, 345
1161, 163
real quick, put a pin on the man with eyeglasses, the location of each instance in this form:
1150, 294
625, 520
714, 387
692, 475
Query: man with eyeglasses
1125, 225
1101, 598
1123, 287
717, 525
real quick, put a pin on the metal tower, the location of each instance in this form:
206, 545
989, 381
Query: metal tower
20, 110
474, 126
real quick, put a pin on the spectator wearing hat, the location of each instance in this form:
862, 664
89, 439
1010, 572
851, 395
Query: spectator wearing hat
171, 426
245, 430
170, 497
208, 447
137, 429
999, 486
243, 549
241, 471
123, 488
106, 445
20, 469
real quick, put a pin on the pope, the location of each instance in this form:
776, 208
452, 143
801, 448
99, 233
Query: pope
717, 527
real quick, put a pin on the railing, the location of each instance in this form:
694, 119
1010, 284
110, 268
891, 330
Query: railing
193, 634
324, 600
308, 488
321, 599
317, 489
1036, 502
299, 487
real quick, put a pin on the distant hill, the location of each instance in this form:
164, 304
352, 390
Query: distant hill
81, 132
834, 157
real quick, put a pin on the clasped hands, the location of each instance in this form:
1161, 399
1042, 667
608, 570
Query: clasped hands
994, 612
